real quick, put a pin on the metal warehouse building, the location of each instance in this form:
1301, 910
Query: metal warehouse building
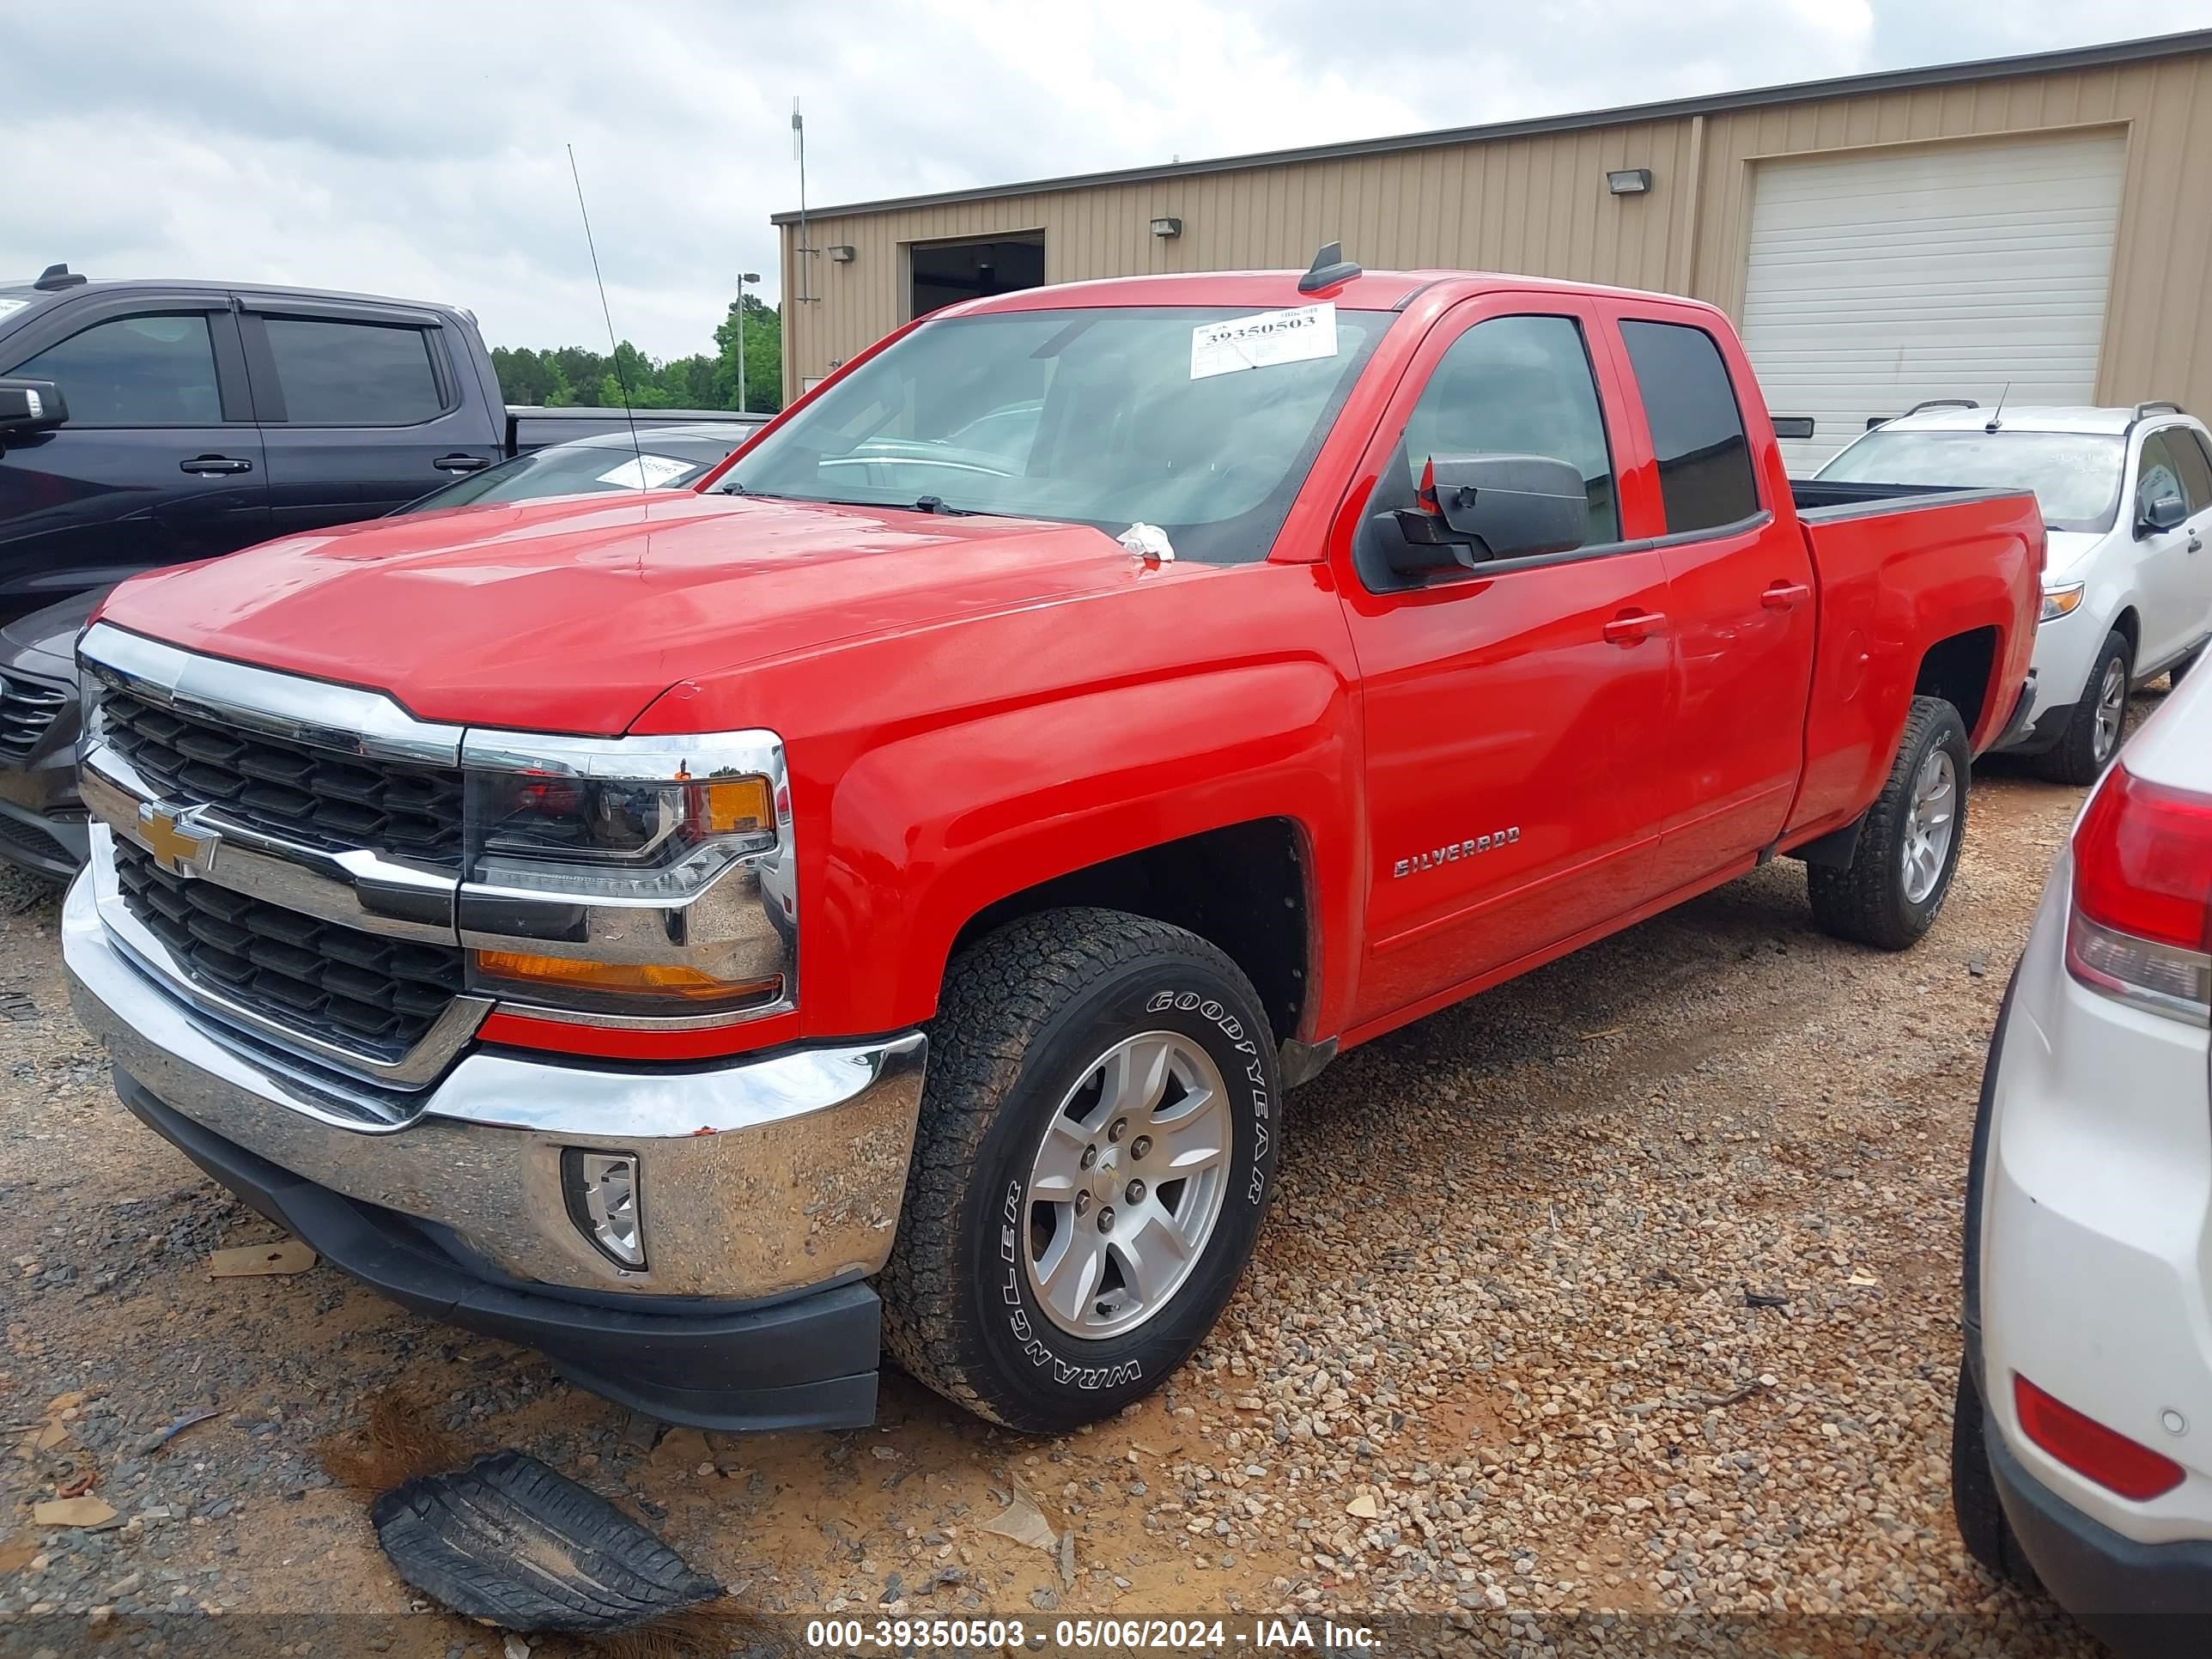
2043, 222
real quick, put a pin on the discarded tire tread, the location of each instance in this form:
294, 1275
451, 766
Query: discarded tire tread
508, 1539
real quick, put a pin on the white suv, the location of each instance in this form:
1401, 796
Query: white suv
2081, 1452
2127, 592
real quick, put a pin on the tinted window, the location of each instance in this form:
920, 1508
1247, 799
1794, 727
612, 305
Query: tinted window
1519, 385
135, 371
2157, 473
2187, 449
1696, 431
353, 374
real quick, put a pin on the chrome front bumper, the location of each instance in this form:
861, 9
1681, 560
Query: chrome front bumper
760, 1179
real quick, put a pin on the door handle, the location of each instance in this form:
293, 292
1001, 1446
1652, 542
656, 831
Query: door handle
1782, 596
213, 463
461, 463
1634, 627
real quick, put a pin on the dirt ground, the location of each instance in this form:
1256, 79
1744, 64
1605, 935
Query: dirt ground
1629, 1288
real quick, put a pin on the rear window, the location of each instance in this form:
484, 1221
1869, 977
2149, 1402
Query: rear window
2076, 476
1696, 430
334, 373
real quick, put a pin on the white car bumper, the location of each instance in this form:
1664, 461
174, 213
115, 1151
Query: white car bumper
2095, 1260
2065, 651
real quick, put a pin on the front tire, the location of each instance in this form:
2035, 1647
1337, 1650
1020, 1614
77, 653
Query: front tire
2098, 722
1908, 848
1095, 1151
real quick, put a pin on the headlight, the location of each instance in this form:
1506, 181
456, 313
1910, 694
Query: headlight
630, 875
2060, 601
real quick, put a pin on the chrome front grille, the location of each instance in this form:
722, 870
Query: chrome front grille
286, 786
27, 708
356, 988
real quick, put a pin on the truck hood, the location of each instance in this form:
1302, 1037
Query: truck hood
572, 616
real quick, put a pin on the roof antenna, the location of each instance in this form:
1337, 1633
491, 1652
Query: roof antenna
1328, 268
1998, 413
615, 351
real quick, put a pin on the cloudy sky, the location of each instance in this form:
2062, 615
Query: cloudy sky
416, 149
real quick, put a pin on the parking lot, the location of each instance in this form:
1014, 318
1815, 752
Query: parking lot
1630, 1287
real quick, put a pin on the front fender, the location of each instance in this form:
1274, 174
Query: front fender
926, 830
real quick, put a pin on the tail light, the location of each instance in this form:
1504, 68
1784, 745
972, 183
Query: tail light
2089, 1449
2142, 924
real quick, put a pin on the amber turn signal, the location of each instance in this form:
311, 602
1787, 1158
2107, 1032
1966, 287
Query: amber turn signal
648, 978
733, 806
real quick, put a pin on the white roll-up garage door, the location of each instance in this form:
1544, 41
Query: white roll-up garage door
1883, 278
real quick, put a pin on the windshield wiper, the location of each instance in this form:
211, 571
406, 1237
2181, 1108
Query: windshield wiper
937, 504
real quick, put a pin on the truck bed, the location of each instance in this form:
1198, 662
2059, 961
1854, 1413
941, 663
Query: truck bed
1889, 560
1824, 500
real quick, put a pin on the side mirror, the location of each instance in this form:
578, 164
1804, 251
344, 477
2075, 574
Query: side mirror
30, 406
1479, 508
2165, 513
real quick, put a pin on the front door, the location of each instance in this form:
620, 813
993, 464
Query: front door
1514, 715
158, 463
2176, 564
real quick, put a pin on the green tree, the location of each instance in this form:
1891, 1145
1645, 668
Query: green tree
763, 336
574, 374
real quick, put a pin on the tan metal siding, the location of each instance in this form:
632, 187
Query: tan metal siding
1538, 203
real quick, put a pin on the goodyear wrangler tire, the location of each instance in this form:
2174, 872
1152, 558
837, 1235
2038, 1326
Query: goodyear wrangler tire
1095, 1153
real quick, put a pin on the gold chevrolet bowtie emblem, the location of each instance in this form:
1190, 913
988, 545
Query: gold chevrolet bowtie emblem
177, 846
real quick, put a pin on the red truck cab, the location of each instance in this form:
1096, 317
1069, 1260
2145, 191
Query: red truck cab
898, 880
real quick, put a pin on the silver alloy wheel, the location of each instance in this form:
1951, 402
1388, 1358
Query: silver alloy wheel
1930, 824
1126, 1185
2111, 712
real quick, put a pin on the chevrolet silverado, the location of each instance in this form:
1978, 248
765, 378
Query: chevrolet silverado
1120, 697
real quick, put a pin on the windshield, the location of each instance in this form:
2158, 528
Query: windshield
2076, 476
1107, 417
581, 469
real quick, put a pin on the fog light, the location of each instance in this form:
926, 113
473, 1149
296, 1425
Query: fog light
604, 1203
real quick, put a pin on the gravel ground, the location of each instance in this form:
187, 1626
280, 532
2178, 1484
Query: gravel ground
1628, 1291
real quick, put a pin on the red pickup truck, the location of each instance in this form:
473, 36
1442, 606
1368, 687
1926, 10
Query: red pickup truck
1125, 696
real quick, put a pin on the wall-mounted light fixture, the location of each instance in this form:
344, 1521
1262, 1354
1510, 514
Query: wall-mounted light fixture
841, 253
1167, 226
1629, 181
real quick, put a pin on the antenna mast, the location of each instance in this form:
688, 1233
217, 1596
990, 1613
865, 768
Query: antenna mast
622, 381
798, 153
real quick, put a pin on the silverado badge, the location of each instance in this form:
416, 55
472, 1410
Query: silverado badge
1456, 850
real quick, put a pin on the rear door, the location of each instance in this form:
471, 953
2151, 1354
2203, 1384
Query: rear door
2169, 562
363, 408
159, 462
1741, 578
1514, 717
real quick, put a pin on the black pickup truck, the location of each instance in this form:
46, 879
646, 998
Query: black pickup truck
145, 423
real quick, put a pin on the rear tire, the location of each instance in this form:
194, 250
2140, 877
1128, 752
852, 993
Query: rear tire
1889, 894
1983, 1529
2095, 727
1081, 1052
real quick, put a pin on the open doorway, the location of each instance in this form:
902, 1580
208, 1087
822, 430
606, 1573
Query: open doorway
946, 272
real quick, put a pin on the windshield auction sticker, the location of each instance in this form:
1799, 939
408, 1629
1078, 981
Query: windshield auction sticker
1262, 340
645, 472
